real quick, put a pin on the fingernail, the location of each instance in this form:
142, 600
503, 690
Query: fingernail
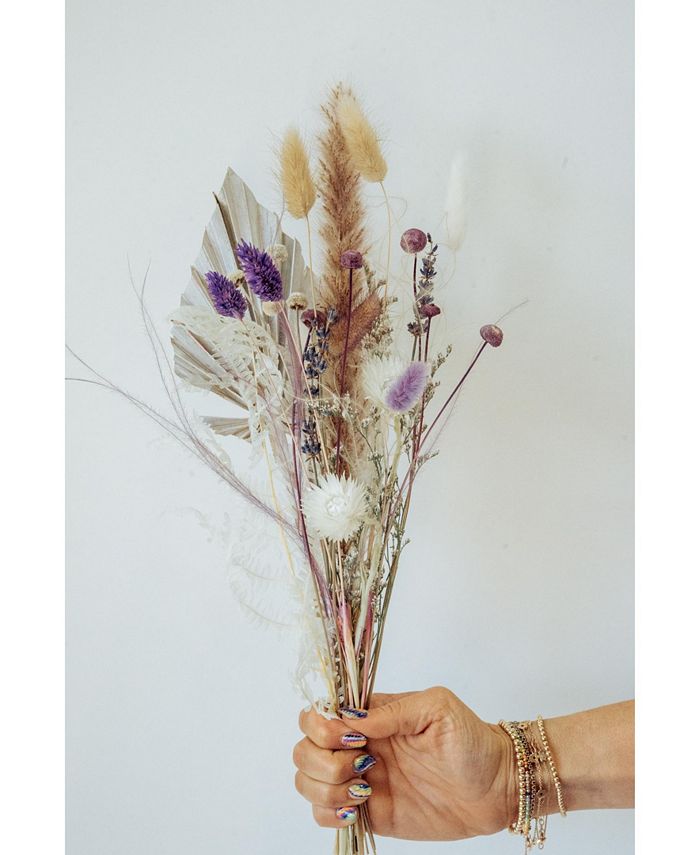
363, 762
351, 712
347, 814
353, 740
359, 791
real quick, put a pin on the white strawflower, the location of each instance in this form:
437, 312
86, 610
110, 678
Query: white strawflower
377, 376
335, 508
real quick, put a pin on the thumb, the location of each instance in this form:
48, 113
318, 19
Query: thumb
397, 715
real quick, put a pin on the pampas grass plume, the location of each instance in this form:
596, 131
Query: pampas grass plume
456, 202
295, 175
361, 140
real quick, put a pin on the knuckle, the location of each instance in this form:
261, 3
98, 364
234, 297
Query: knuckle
319, 816
326, 734
297, 783
328, 795
336, 768
297, 754
442, 695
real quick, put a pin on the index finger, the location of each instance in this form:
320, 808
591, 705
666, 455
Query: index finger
329, 733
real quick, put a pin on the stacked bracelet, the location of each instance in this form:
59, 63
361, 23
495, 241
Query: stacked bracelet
552, 767
533, 762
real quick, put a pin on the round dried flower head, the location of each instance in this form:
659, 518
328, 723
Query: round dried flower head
297, 301
335, 508
236, 276
278, 253
272, 308
351, 259
313, 318
492, 334
429, 310
413, 240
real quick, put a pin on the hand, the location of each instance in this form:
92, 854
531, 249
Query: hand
436, 771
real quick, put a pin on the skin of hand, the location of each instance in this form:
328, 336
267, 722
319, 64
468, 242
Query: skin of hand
440, 772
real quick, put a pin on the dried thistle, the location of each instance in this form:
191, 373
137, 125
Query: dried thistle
361, 140
297, 182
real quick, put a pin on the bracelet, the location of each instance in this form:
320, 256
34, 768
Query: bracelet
533, 762
552, 767
525, 763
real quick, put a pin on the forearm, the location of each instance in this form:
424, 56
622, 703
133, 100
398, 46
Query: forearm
594, 755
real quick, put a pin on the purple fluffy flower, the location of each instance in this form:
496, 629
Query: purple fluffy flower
227, 299
260, 272
408, 387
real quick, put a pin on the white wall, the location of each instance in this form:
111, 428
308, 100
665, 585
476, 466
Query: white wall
517, 588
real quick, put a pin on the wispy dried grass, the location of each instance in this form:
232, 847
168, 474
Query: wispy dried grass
298, 185
361, 139
342, 224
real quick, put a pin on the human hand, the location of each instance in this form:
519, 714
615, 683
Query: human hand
436, 771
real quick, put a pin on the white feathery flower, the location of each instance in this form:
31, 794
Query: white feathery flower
335, 508
378, 374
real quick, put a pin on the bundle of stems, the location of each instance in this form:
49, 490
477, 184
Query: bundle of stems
341, 402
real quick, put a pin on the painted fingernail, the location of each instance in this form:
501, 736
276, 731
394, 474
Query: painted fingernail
351, 712
347, 814
363, 762
353, 740
359, 791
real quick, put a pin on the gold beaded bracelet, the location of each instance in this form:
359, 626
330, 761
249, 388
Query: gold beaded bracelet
532, 761
552, 767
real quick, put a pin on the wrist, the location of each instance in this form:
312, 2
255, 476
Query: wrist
506, 784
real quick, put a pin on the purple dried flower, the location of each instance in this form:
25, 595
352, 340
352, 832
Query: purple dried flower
413, 240
260, 272
313, 317
429, 310
227, 299
406, 390
492, 334
351, 259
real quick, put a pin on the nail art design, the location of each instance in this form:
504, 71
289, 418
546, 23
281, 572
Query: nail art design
351, 712
353, 740
363, 762
359, 791
347, 814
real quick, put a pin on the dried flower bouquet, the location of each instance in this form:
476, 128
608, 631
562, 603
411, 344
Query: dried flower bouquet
337, 396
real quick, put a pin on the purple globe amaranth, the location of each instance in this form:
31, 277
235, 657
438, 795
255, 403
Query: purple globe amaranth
351, 259
260, 271
227, 299
492, 334
413, 240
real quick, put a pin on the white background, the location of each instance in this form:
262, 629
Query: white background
516, 591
